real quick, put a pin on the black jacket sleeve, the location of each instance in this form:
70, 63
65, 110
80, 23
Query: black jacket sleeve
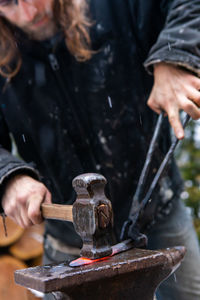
10, 164
179, 41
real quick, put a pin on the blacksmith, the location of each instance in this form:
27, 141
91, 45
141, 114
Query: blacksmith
75, 84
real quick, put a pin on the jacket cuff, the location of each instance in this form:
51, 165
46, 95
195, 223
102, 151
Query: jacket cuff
175, 57
22, 169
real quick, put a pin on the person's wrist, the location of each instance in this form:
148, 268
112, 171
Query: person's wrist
160, 65
15, 177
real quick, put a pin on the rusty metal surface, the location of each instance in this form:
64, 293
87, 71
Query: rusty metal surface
135, 272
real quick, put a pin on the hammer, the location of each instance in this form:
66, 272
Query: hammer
91, 215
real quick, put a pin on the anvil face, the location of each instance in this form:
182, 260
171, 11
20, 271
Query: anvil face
135, 272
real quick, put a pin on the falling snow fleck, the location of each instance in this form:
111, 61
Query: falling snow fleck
175, 279
24, 139
169, 46
109, 101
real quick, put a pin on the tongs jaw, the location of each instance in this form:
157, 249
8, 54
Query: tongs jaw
131, 228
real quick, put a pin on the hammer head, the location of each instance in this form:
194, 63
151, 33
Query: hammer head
92, 215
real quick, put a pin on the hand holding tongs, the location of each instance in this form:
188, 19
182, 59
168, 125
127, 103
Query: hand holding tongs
130, 228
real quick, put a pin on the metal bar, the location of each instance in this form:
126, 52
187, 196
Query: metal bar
162, 167
147, 165
135, 207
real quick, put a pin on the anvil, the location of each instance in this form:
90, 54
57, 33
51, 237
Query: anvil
134, 274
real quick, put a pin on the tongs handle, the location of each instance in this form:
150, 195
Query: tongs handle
137, 206
146, 167
163, 166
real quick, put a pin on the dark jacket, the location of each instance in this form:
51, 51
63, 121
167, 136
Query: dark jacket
69, 118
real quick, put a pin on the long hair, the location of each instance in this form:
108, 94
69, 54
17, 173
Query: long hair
74, 22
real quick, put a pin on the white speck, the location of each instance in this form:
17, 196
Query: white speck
76, 89
98, 167
150, 200
168, 194
23, 137
175, 279
99, 27
188, 183
37, 237
109, 101
36, 293
104, 143
169, 46
103, 140
107, 49
46, 246
184, 195
53, 252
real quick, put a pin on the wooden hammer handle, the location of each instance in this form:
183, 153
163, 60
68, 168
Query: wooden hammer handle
57, 212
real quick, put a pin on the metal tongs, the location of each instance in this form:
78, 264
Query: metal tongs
130, 227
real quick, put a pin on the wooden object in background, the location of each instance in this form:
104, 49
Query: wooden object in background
8, 288
38, 261
13, 230
30, 245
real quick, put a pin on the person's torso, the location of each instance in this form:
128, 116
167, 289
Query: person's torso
71, 118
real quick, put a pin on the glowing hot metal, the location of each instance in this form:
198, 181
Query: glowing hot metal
118, 248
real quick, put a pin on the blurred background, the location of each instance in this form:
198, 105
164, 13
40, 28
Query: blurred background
21, 248
188, 159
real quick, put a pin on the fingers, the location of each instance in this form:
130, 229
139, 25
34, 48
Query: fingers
175, 90
190, 108
194, 81
47, 198
34, 204
22, 219
174, 120
16, 212
152, 104
22, 200
194, 95
173, 114
33, 210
